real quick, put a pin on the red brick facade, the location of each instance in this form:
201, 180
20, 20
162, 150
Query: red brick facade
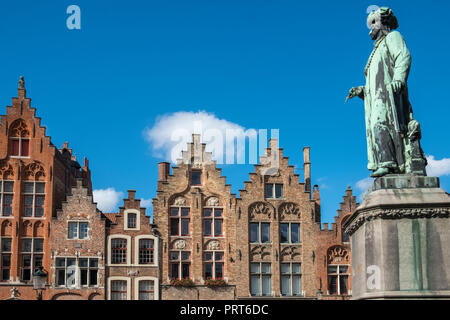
204, 243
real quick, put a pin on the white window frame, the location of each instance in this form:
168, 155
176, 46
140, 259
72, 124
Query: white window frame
338, 275
110, 279
138, 219
155, 250
2, 194
179, 217
78, 230
34, 195
213, 262
1, 258
259, 231
274, 191
146, 278
213, 218
122, 236
260, 275
31, 253
78, 284
290, 232
20, 147
291, 279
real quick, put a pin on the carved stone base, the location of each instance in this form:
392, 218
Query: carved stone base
400, 238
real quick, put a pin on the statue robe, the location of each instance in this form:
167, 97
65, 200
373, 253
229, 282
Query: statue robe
387, 113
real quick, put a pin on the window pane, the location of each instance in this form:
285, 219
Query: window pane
296, 285
295, 232
38, 261
38, 245
84, 277
196, 178
174, 270
6, 244
60, 277
9, 186
343, 284
286, 268
60, 262
207, 227
254, 232
265, 267
296, 268
7, 205
218, 256
217, 213
131, 220
217, 227
284, 232
26, 245
93, 275
184, 227
278, 191
265, 232
269, 190
29, 187
185, 212
185, 255
174, 255
185, 270
343, 269
332, 269
83, 263
219, 270
71, 262
40, 187
255, 289
146, 290
6, 260
39, 206
14, 147
208, 270
174, 212
83, 230
254, 268
332, 285
93, 263
73, 230
286, 285
174, 227
266, 286
207, 212
208, 256
25, 148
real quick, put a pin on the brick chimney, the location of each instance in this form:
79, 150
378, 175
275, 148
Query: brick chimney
307, 167
163, 171
131, 194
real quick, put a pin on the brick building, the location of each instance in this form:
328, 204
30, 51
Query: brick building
131, 253
204, 243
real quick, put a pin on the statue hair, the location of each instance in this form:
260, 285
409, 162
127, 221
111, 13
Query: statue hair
388, 18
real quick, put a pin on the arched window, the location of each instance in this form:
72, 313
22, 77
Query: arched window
345, 236
338, 270
19, 140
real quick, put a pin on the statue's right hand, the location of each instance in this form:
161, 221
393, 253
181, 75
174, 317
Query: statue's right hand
355, 92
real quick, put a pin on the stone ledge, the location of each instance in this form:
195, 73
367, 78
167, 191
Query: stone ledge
399, 295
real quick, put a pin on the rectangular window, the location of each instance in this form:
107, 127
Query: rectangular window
196, 178
132, 219
34, 199
146, 251
67, 268
6, 197
180, 262
213, 265
146, 290
5, 258
338, 279
78, 230
291, 279
118, 290
289, 232
212, 222
259, 232
20, 147
119, 251
179, 221
31, 256
273, 191
260, 279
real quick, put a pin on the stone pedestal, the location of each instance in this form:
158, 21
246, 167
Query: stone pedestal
400, 238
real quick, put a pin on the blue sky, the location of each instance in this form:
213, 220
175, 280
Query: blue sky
283, 65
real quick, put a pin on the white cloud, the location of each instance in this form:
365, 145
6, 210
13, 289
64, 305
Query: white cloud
364, 184
107, 199
437, 168
146, 203
171, 132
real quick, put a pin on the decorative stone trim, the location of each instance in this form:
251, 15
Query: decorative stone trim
360, 217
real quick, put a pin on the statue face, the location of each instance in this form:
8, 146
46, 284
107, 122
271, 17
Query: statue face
374, 24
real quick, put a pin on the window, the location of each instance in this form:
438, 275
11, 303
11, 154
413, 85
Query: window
146, 251
5, 258
196, 178
212, 222
67, 275
34, 198
259, 232
78, 230
20, 147
132, 217
274, 191
31, 256
338, 279
118, 290
180, 262
119, 251
213, 265
291, 283
179, 221
260, 279
345, 236
146, 290
6, 197
290, 232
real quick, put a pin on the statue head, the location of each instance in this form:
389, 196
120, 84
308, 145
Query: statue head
381, 22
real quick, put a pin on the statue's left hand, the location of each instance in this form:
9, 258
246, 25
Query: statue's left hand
396, 86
